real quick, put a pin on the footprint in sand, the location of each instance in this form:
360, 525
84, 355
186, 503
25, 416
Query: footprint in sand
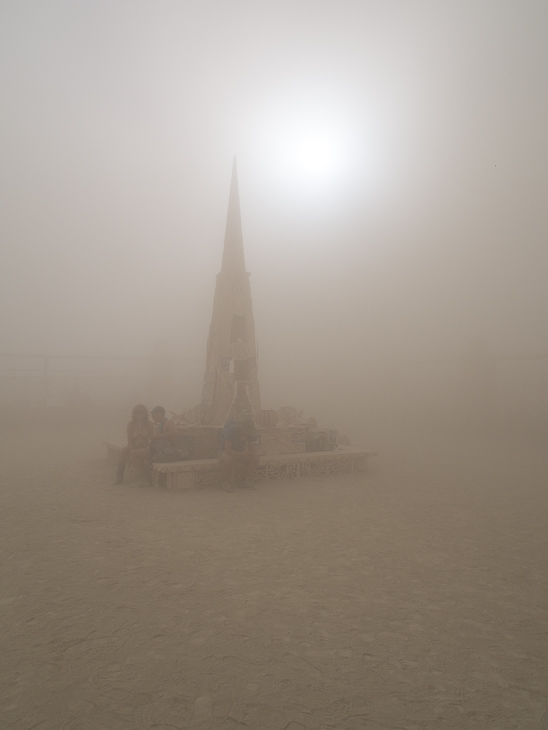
222, 707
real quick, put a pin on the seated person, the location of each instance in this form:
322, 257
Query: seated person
139, 432
238, 450
162, 446
165, 433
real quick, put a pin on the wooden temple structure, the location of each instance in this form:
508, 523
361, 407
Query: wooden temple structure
289, 445
231, 357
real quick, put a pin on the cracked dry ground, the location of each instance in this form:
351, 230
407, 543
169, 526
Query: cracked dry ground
413, 597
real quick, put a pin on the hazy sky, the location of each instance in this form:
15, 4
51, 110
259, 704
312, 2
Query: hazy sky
393, 165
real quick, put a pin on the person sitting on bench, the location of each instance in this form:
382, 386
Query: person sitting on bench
162, 446
139, 433
238, 450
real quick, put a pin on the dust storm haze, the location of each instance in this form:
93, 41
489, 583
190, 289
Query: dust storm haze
417, 225
392, 163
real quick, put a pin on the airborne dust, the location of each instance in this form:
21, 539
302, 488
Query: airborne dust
392, 164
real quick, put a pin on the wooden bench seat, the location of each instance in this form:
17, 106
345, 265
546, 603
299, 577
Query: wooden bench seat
202, 473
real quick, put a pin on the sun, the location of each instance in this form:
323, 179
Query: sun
307, 145
309, 155
312, 155
303, 145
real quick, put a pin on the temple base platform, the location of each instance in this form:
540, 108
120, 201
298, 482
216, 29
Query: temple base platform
202, 473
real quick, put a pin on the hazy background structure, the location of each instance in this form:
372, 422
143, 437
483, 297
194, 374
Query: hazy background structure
393, 179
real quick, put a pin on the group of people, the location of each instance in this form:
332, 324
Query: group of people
146, 442
156, 441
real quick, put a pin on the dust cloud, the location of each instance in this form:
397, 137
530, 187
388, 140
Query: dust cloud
120, 124
393, 177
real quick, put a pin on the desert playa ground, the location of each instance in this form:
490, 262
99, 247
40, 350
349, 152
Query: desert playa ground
411, 597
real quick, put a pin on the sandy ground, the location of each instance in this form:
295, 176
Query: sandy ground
413, 597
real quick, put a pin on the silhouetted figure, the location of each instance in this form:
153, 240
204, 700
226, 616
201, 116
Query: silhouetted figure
139, 433
161, 447
238, 450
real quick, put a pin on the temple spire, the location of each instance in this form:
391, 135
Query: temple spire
231, 386
233, 251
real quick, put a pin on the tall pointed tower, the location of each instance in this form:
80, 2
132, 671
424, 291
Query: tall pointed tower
231, 361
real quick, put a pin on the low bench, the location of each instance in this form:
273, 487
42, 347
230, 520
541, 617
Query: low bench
202, 473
